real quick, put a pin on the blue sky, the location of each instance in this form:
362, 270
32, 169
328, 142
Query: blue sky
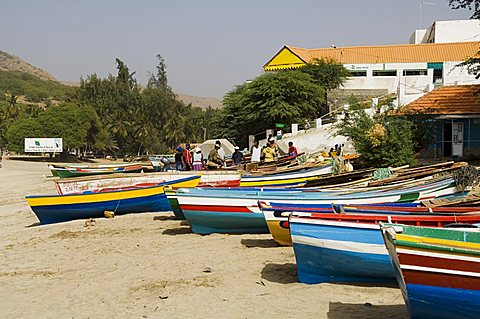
209, 46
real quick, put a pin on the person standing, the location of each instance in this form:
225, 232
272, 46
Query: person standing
179, 159
214, 160
269, 153
279, 134
340, 149
292, 150
221, 151
237, 156
256, 152
197, 160
187, 157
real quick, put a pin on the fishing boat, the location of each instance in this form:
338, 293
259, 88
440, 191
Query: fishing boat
384, 201
235, 210
56, 167
276, 218
67, 171
100, 183
218, 179
95, 183
438, 270
350, 247
296, 178
400, 209
60, 208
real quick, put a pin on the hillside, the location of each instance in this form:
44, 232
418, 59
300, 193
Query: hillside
200, 101
30, 88
9, 62
22, 78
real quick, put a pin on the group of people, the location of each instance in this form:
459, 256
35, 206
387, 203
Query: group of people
192, 160
188, 160
216, 157
270, 152
337, 151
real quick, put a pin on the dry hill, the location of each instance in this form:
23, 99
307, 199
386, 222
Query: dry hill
203, 102
9, 62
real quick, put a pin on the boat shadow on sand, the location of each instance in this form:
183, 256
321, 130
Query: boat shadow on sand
177, 231
280, 273
339, 310
165, 217
259, 243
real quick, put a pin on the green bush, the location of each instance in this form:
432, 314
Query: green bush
381, 139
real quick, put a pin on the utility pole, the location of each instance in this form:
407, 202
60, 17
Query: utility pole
422, 3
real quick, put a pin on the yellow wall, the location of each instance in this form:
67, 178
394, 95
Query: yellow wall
284, 59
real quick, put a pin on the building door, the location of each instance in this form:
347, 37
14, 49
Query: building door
437, 73
457, 139
447, 138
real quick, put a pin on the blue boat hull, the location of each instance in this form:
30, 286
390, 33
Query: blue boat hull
206, 222
442, 303
316, 265
327, 253
66, 212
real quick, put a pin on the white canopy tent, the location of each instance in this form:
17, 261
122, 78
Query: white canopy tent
208, 145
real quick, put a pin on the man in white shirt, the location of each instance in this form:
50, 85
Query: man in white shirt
256, 152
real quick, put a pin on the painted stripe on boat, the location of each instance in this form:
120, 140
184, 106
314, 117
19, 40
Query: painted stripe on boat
436, 254
48, 200
436, 241
440, 279
216, 208
434, 262
340, 245
440, 270
333, 223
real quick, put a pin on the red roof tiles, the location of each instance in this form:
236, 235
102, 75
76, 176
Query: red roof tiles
447, 100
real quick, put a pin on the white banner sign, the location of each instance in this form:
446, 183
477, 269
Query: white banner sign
43, 145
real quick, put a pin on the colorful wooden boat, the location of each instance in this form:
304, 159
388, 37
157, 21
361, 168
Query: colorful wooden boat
401, 209
79, 171
350, 247
438, 270
96, 183
55, 167
276, 217
276, 213
218, 179
231, 210
59, 208
286, 179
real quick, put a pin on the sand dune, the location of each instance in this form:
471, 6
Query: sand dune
151, 266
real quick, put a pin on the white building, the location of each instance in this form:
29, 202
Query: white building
408, 70
447, 32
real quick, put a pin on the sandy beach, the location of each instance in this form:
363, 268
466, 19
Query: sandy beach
151, 266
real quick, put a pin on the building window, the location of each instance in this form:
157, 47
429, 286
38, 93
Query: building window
384, 73
358, 73
414, 72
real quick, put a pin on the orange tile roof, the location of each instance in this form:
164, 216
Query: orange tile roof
425, 52
447, 100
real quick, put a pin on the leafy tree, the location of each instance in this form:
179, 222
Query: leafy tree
382, 139
327, 73
159, 80
281, 97
16, 133
77, 125
472, 63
